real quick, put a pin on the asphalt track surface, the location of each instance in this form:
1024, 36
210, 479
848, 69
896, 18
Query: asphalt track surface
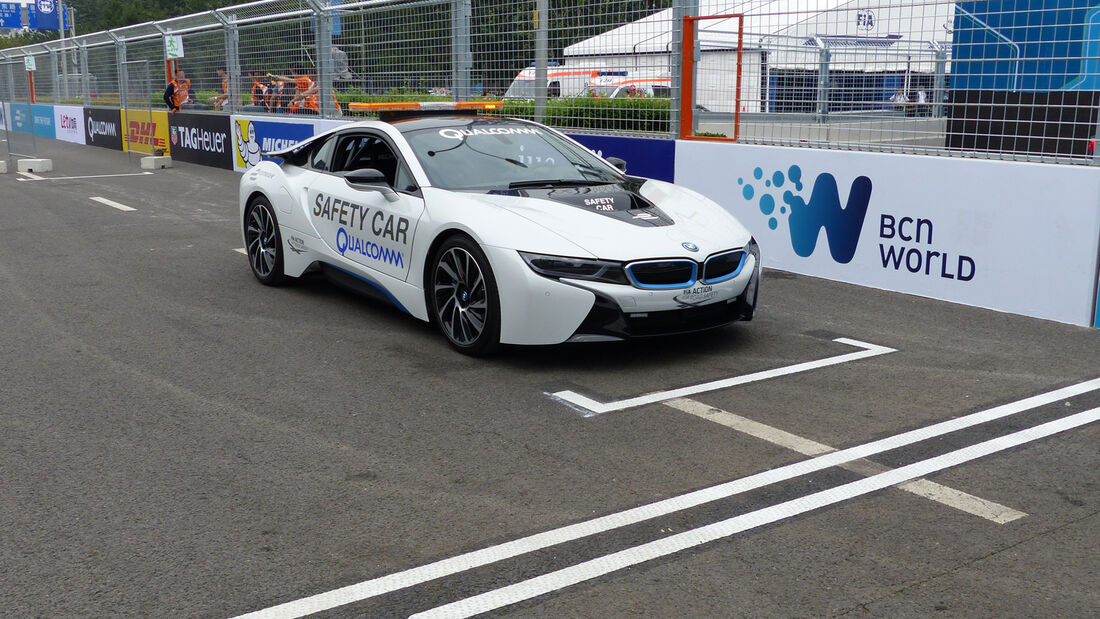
178, 440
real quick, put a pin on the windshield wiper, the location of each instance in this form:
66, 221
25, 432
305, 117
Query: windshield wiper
561, 182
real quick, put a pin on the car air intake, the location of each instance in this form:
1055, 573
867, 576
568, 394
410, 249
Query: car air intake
663, 274
723, 267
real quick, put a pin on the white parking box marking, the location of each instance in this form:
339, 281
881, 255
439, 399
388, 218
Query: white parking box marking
507, 550
32, 177
601, 566
950, 497
111, 203
241, 250
591, 407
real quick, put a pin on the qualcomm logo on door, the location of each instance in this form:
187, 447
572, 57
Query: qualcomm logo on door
905, 243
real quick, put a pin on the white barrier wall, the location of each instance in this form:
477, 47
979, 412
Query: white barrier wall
1013, 237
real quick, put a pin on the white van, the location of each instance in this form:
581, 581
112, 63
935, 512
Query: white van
613, 84
560, 82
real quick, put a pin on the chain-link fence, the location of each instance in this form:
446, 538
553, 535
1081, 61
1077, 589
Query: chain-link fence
1014, 79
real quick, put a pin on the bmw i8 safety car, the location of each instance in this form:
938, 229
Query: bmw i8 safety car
497, 231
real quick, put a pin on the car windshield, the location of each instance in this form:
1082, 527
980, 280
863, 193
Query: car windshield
601, 91
491, 154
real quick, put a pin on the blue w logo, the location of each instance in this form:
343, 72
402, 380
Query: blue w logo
842, 224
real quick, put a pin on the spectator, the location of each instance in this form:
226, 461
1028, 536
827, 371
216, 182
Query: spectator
221, 100
340, 69
259, 89
306, 100
178, 92
900, 100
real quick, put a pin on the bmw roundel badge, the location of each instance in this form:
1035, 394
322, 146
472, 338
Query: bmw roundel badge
690, 246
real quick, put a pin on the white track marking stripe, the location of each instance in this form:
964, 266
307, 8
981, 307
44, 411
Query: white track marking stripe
30, 177
592, 407
922, 487
69, 178
111, 203
601, 566
477, 558
241, 250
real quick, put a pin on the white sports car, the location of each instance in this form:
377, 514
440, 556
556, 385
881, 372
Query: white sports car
497, 231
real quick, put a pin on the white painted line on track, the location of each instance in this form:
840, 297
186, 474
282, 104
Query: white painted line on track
950, 497
111, 203
241, 250
590, 407
30, 177
601, 566
69, 178
477, 558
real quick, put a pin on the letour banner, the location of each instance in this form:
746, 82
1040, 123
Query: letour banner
968, 231
68, 123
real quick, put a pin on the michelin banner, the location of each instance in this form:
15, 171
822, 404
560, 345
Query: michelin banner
254, 135
1007, 236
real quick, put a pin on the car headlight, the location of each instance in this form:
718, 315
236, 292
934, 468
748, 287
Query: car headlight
576, 268
754, 250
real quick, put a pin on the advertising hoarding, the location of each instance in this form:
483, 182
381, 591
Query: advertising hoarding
1008, 236
42, 119
103, 128
21, 117
648, 157
144, 131
255, 135
68, 123
201, 138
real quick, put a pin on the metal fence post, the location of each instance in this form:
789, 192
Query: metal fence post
323, 47
85, 81
680, 10
120, 59
54, 79
939, 94
541, 17
233, 65
462, 58
825, 58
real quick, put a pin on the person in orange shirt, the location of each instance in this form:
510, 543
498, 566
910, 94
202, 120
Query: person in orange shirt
306, 100
219, 101
178, 92
259, 89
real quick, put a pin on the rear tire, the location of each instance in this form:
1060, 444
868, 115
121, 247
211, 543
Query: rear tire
462, 297
264, 243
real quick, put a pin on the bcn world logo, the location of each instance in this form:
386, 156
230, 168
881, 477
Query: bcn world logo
806, 219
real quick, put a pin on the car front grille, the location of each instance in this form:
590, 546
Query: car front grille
663, 274
722, 267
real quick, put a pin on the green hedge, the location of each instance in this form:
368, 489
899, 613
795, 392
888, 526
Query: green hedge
628, 115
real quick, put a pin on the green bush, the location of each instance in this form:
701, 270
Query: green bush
628, 115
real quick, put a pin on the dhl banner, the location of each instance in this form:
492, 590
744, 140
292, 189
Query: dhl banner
142, 131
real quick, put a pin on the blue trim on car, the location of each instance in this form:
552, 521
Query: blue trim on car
375, 284
728, 276
633, 280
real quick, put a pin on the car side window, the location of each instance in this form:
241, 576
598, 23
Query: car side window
321, 158
367, 151
404, 180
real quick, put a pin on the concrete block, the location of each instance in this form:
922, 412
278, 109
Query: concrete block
3, 167
155, 163
34, 165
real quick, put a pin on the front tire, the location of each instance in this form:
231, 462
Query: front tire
462, 295
264, 243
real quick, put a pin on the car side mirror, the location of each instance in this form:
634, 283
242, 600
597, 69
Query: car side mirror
370, 179
618, 163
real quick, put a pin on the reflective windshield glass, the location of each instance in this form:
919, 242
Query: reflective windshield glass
601, 91
492, 154
521, 89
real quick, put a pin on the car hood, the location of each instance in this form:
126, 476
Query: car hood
628, 221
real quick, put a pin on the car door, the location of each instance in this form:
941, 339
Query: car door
370, 221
